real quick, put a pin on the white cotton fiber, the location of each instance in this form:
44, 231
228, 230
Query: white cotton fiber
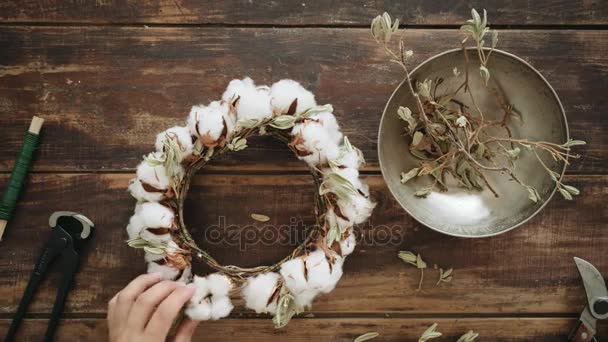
357, 208
333, 219
285, 92
210, 299
136, 189
218, 284
304, 298
200, 311
167, 272
319, 271
135, 226
347, 245
156, 215
207, 123
181, 136
249, 101
292, 272
336, 274
186, 275
350, 157
258, 290
220, 307
313, 143
328, 120
154, 178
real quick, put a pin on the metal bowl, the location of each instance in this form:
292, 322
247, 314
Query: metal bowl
463, 213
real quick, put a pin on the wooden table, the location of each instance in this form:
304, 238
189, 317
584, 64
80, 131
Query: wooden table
108, 77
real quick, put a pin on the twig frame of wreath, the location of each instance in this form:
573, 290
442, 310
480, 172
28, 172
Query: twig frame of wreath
287, 112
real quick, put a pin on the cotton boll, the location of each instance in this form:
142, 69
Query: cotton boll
352, 158
157, 221
336, 274
218, 284
249, 101
186, 275
151, 183
305, 298
181, 136
167, 272
208, 124
156, 215
334, 219
318, 268
135, 226
200, 311
357, 208
210, 300
313, 144
347, 245
289, 97
202, 289
220, 307
136, 188
258, 291
292, 272
328, 120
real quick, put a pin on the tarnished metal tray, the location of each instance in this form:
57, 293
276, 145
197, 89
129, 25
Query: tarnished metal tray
460, 212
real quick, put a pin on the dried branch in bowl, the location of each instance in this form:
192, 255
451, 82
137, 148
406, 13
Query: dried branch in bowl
459, 141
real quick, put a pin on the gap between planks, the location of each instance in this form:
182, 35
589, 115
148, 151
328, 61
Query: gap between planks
550, 27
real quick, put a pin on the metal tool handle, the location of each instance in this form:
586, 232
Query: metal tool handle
581, 333
51, 250
69, 266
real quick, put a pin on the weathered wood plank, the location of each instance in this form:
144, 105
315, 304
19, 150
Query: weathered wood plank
526, 271
106, 92
292, 12
334, 329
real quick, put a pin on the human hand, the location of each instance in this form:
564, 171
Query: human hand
146, 308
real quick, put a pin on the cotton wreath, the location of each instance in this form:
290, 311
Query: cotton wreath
288, 112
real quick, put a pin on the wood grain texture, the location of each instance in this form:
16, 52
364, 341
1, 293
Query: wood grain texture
335, 329
300, 12
528, 271
106, 92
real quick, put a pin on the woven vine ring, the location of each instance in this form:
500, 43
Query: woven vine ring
289, 113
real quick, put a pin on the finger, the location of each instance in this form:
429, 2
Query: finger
147, 302
185, 330
128, 295
112, 323
161, 320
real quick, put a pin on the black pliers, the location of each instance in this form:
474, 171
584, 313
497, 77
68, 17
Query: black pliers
68, 237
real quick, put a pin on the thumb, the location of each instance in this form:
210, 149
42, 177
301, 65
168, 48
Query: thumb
185, 330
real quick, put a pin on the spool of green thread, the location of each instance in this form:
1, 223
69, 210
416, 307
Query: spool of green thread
17, 179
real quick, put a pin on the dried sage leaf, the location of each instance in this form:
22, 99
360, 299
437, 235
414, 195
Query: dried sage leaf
366, 337
430, 333
406, 176
260, 217
470, 336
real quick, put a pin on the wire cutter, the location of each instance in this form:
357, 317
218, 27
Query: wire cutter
597, 302
70, 231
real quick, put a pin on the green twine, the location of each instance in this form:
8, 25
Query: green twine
15, 183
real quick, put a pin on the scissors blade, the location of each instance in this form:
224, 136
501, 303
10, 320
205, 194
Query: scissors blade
595, 287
